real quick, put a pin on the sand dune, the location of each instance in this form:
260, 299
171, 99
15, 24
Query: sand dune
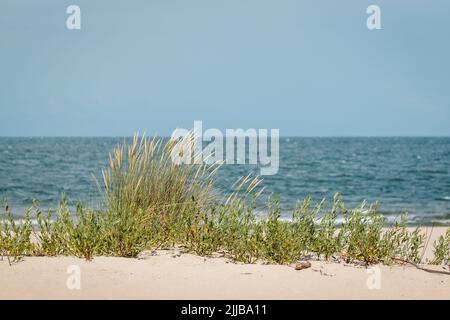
169, 275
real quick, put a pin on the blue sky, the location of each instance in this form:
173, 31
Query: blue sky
309, 68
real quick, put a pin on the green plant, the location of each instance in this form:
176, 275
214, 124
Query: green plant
15, 236
360, 234
325, 242
278, 244
442, 249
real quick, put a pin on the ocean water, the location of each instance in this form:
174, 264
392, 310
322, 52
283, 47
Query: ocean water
404, 174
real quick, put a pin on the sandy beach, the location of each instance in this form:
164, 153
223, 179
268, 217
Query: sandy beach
167, 274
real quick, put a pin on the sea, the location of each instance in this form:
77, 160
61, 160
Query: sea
405, 174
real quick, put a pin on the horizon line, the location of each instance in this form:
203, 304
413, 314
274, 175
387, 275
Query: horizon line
281, 136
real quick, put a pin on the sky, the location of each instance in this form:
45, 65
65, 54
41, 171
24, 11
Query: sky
307, 68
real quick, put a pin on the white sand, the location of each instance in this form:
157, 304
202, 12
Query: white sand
169, 276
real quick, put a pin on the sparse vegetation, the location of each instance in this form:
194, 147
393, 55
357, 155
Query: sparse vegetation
151, 202
442, 249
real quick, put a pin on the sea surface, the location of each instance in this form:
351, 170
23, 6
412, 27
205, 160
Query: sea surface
404, 174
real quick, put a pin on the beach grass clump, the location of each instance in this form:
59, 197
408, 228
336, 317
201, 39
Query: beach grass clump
145, 189
152, 202
143, 178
